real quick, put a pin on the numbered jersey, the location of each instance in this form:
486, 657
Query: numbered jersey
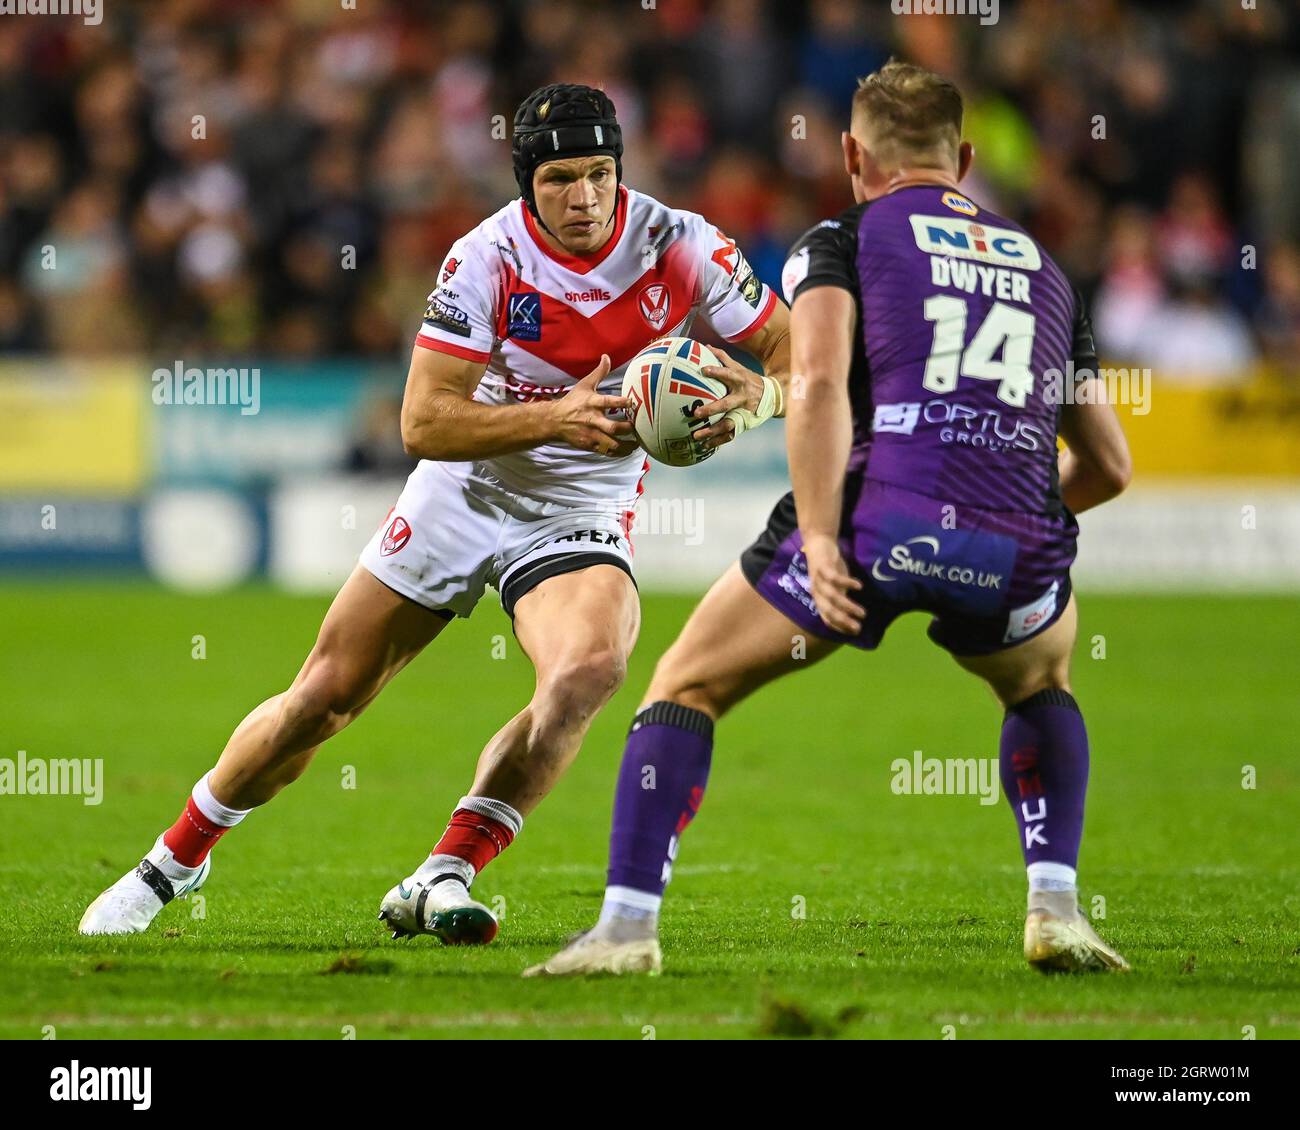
968, 334
539, 320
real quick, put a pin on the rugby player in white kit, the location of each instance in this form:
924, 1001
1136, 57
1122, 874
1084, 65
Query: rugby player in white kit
527, 482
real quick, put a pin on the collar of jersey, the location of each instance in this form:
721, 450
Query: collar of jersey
581, 264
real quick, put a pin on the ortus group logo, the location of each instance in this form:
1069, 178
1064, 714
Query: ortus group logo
962, 424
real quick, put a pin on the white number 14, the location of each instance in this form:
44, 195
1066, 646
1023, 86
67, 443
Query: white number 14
1005, 329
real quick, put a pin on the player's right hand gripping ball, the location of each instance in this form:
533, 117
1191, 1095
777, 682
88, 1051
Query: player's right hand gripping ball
665, 385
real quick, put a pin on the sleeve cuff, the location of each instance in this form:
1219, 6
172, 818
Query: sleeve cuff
758, 323
424, 341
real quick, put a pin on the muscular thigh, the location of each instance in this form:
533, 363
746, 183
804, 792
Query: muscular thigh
733, 643
369, 634
592, 615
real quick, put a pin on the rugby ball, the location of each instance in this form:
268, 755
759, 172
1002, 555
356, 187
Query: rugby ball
664, 385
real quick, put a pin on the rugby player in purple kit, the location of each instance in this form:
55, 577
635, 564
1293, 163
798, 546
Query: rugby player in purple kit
938, 352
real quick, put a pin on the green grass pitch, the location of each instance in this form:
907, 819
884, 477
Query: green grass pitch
912, 906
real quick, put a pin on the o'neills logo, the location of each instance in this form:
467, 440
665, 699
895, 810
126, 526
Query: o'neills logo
395, 537
587, 296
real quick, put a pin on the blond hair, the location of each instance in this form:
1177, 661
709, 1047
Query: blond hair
906, 115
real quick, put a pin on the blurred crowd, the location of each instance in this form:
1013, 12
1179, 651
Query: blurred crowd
196, 178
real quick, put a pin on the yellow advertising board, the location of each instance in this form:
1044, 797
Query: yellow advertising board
72, 426
83, 428
1249, 430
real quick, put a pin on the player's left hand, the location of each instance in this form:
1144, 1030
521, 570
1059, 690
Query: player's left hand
744, 390
831, 585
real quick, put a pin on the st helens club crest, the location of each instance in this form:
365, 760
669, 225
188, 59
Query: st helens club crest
654, 301
395, 537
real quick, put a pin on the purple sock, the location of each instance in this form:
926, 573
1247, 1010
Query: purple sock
660, 787
1044, 761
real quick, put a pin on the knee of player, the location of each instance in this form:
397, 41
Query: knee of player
327, 697
585, 682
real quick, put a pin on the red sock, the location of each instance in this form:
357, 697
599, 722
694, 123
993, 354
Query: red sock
192, 836
475, 838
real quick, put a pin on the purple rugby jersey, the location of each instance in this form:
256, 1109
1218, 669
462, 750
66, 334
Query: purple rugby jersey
967, 336
962, 315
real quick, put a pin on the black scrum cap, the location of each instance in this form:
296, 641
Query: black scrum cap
563, 120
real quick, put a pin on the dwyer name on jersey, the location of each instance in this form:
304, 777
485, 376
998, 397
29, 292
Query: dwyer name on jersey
540, 319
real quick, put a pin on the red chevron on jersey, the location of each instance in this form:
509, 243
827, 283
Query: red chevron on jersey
724, 256
572, 341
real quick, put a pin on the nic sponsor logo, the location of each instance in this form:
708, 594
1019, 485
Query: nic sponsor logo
965, 239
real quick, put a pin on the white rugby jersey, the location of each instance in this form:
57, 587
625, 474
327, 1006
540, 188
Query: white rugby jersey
540, 319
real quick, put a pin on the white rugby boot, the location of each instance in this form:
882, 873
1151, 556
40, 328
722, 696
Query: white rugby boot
133, 902
442, 907
1059, 939
591, 953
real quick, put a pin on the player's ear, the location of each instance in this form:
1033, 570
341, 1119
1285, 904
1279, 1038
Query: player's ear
965, 158
850, 146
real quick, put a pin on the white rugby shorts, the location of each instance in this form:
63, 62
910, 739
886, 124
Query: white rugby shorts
451, 533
